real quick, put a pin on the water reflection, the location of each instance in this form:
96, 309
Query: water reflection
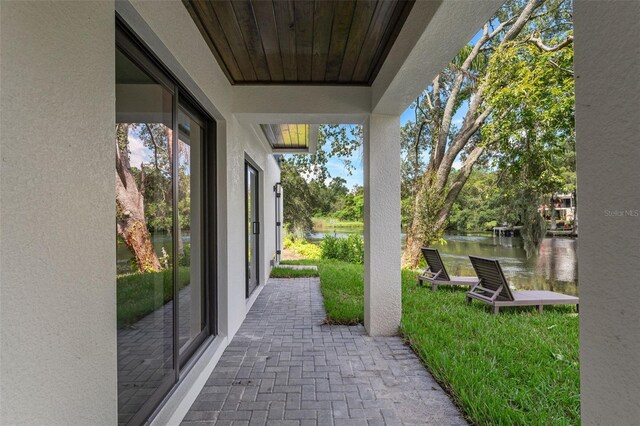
554, 268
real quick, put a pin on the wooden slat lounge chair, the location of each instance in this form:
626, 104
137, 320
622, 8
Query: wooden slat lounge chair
436, 274
493, 289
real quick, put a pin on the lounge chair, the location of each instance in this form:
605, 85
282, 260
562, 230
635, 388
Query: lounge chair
493, 289
436, 274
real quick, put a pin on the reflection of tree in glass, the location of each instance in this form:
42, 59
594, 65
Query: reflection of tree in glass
143, 194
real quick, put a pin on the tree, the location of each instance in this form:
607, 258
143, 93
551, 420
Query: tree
297, 199
306, 182
131, 224
352, 206
477, 207
339, 141
532, 87
465, 83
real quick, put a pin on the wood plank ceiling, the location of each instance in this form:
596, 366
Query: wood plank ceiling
300, 41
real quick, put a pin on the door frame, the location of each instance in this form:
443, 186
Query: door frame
249, 164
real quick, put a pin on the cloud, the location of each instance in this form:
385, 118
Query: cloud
336, 168
138, 153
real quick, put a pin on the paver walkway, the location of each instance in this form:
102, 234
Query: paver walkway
285, 368
145, 354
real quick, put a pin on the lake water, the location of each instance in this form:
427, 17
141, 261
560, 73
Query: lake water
554, 268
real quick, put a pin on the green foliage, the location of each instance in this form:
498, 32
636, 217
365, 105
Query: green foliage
279, 272
301, 247
138, 293
339, 141
532, 93
185, 256
351, 206
349, 249
326, 198
307, 185
524, 91
528, 363
297, 199
479, 206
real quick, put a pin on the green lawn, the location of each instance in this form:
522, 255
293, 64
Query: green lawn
139, 294
278, 272
519, 367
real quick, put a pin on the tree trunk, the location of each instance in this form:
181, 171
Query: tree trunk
131, 224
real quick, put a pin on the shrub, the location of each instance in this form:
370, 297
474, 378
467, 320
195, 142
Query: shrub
349, 249
488, 226
305, 249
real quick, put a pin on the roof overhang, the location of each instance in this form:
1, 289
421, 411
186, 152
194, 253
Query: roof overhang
427, 39
291, 138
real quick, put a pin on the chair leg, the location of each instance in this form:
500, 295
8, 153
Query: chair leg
577, 308
434, 287
418, 283
468, 300
495, 310
540, 308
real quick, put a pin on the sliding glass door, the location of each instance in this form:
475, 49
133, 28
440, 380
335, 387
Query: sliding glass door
164, 219
252, 199
191, 299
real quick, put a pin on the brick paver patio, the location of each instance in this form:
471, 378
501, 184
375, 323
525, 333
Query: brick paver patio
285, 368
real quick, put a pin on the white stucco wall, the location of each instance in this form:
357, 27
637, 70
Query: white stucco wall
57, 252
244, 144
607, 65
382, 249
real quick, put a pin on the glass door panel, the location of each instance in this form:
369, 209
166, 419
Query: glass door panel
191, 290
252, 198
144, 218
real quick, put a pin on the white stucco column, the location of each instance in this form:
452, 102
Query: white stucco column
382, 304
607, 68
58, 358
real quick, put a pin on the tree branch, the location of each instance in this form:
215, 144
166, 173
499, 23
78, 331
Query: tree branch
449, 108
457, 185
155, 145
537, 41
456, 147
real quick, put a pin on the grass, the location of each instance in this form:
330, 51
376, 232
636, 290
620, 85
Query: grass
342, 289
519, 367
139, 294
323, 223
279, 272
